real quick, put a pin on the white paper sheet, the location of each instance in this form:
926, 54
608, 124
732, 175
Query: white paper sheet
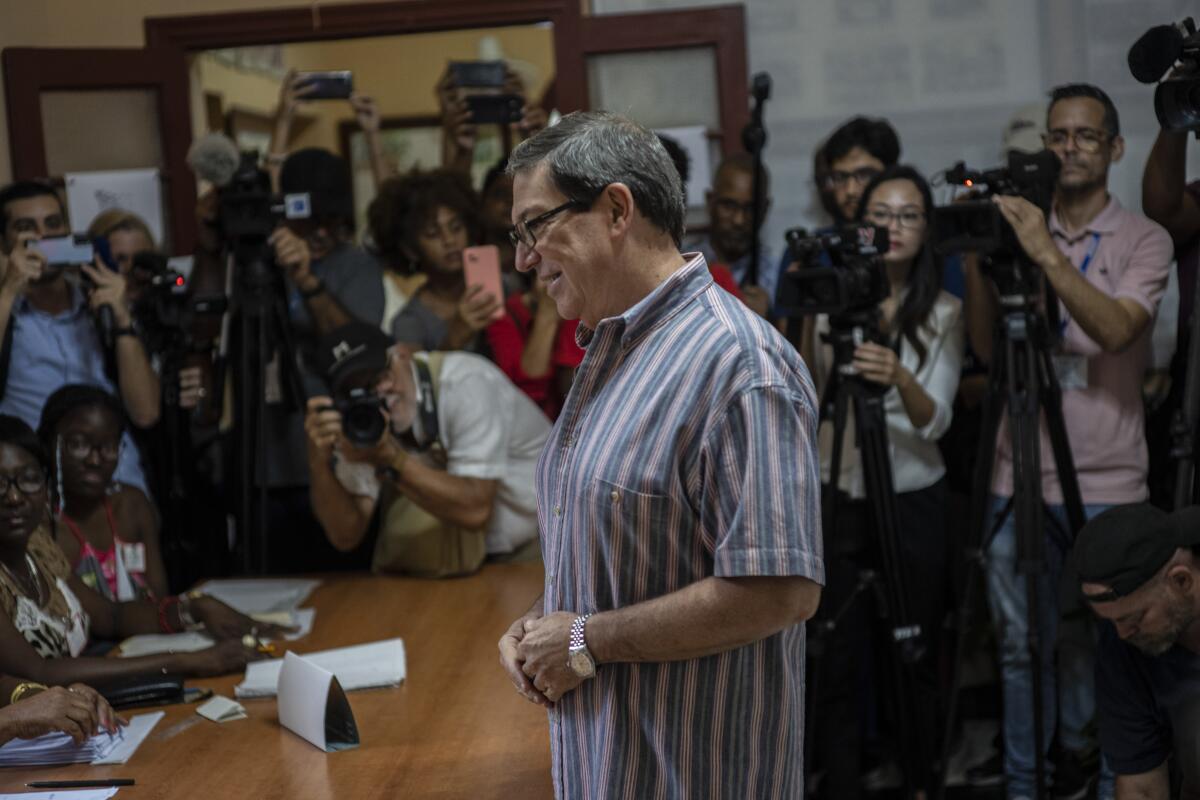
59, 748
261, 595
136, 190
222, 709
694, 141
148, 644
303, 691
64, 794
363, 666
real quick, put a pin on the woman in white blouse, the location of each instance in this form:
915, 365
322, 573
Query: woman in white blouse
920, 366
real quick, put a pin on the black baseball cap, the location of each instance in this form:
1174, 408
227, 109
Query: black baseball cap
1127, 545
352, 349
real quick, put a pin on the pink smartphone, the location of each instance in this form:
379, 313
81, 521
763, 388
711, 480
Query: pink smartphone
481, 267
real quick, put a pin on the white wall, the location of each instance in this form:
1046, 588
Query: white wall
947, 73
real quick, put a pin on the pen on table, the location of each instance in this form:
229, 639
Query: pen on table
84, 784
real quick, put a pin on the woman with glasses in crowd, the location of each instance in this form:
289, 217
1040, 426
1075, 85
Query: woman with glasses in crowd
917, 364
421, 223
48, 614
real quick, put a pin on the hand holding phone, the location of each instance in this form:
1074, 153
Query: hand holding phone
481, 267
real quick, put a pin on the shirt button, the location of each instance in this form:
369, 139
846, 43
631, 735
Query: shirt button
570, 440
615, 496
558, 511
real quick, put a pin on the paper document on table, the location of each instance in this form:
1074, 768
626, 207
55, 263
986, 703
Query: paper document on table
364, 666
222, 709
261, 595
64, 794
149, 644
59, 748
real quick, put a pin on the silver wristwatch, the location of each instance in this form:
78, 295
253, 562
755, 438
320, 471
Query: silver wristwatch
578, 658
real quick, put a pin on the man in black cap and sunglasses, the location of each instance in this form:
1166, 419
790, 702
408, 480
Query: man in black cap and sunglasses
1140, 572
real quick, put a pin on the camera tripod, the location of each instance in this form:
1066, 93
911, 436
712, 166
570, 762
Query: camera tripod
262, 337
1023, 382
846, 391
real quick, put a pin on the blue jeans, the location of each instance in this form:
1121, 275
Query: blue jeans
1068, 697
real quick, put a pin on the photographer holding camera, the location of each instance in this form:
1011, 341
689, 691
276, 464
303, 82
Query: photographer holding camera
442, 444
918, 366
49, 337
1108, 267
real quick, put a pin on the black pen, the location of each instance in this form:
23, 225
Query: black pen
93, 783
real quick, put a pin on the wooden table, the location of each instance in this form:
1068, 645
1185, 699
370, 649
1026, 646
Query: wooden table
454, 728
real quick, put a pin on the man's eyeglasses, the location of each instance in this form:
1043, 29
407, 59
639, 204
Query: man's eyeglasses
1087, 140
861, 176
80, 447
523, 231
730, 208
907, 218
26, 483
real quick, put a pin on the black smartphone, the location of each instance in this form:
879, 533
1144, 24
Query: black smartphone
499, 109
481, 74
330, 85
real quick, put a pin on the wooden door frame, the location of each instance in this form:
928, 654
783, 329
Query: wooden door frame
30, 71
355, 20
576, 36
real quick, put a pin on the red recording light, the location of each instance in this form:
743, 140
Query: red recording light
969, 182
179, 281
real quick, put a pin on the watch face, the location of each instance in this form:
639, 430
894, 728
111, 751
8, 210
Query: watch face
581, 664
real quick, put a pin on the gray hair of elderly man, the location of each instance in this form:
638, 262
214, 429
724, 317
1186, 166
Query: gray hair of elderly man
589, 150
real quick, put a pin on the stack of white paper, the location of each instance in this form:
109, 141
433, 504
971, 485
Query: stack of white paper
59, 748
364, 666
63, 794
261, 596
148, 644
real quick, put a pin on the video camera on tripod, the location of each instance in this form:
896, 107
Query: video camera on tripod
165, 309
839, 272
1177, 99
250, 211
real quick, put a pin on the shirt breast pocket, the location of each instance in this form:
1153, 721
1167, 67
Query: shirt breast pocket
637, 536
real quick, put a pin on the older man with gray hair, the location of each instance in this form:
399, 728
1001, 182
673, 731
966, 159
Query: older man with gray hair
677, 495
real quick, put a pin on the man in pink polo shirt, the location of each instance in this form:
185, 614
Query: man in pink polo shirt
1109, 268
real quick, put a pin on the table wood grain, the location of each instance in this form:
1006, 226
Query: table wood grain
455, 728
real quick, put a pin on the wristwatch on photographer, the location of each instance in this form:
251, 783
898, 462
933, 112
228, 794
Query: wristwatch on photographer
579, 658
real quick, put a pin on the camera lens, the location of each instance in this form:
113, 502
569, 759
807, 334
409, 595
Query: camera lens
362, 422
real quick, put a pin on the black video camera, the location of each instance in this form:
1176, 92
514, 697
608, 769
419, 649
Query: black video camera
250, 211
838, 272
1177, 99
164, 308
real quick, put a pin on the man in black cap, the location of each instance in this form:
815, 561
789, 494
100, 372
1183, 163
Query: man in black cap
442, 444
1140, 571
329, 282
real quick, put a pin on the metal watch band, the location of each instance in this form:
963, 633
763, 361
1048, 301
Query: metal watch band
577, 639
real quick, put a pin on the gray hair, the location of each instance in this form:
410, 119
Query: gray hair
589, 150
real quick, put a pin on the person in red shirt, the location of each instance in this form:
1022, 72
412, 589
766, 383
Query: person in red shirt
536, 348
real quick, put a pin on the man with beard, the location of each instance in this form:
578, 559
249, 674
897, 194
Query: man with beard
731, 230
1140, 571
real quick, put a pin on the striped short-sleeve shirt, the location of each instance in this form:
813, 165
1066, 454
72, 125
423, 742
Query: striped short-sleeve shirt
687, 449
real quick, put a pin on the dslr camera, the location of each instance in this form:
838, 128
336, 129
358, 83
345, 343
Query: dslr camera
363, 419
1177, 99
165, 309
839, 272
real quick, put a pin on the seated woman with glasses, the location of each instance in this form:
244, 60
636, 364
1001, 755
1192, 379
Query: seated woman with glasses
108, 531
917, 364
421, 223
47, 613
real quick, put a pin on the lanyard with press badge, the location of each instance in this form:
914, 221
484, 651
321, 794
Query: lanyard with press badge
1083, 268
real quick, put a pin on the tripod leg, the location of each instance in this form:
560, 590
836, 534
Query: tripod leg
906, 641
979, 533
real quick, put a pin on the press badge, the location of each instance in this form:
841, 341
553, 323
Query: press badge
134, 556
1071, 369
